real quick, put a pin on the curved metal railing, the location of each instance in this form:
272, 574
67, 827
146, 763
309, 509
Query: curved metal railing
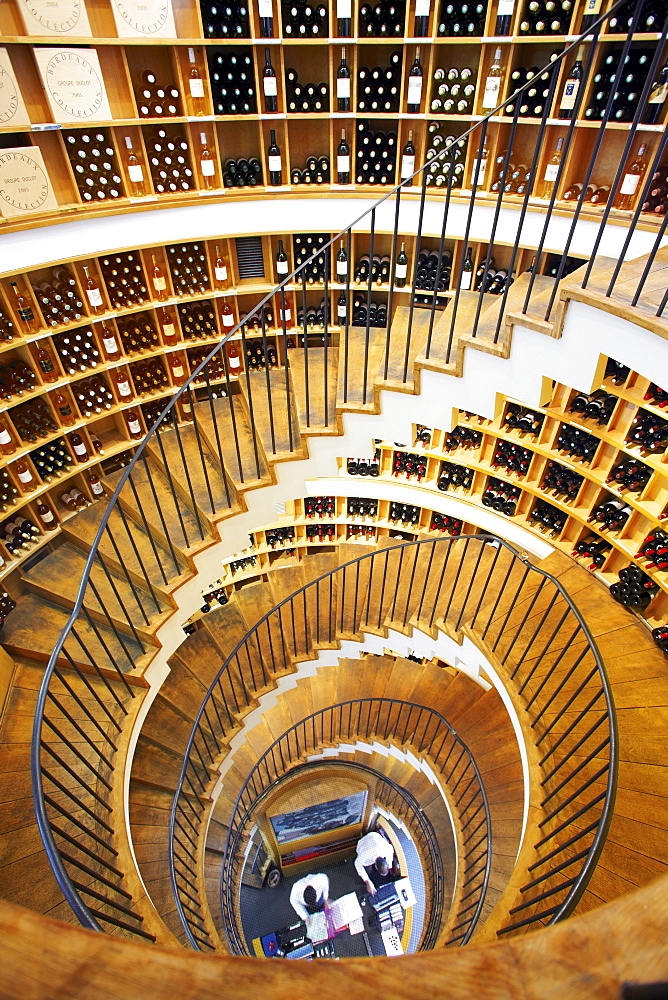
398, 800
180, 481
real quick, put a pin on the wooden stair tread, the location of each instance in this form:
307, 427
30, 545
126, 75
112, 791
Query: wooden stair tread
286, 441
354, 391
315, 414
224, 422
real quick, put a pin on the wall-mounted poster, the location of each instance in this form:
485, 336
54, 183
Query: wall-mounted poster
74, 84
25, 186
149, 18
55, 17
12, 108
319, 818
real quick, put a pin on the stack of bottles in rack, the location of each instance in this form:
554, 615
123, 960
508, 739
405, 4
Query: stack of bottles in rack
462, 437
630, 475
454, 91
546, 17
492, 279
445, 523
52, 460
656, 396
240, 564
93, 396
576, 443
501, 496
77, 350
407, 513
660, 636
244, 172
314, 317
305, 19
34, 420
315, 171
320, 532
654, 550
279, 536
532, 100
594, 548
198, 320
634, 588
596, 406
362, 507
94, 163
319, 506
7, 328
453, 476
519, 418
8, 492
157, 98
7, 605
169, 159
461, 18
433, 274
189, 269
18, 533
225, 20
149, 376
364, 467
214, 369
304, 246
384, 19
512, 457
548, 518
562, 481
637, 63
652, 17
377, 268
232, 79
16, 377
137, 332
648, 432
616, 372
257, 358
375, 314
124, 279
376, 154
58, 298
612, 514
305, 98
366, 532
379, 87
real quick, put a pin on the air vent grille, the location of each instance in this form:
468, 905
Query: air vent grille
250, 259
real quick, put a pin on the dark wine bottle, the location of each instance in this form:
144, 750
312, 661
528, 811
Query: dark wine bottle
408, 161
266, 15
571, 87
504, 17
657, 97
344, 15
422, 10
401, 268
415, 85
269, 85
343, 84
343, 160
274, 162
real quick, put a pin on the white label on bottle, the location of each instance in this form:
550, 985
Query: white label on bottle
80, 449
342, 268
506, 7
234, 362
630, 184
196, 87
658, 93
48, 517
343, 87
228, 319
124, 389
177, 371
97, 489
221, 273
275, 164
136, 173
414, 89
465, 280
159, 284
344, 9
407, 165
592, 6
134, 426
341, 311
270, 86
169, 330
570, 94
551, 172
264, 8
343, 163
282, 266
25, 477
109, 344
400, 270
422, 8
286, 314
492, 89
481, 173
94, 296
5, 436
208, 168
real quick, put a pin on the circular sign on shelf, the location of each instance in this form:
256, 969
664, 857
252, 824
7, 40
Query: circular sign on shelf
75, 84
9, 97
56, 15
24, 184
146, 17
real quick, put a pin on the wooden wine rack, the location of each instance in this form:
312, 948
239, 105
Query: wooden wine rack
300, 135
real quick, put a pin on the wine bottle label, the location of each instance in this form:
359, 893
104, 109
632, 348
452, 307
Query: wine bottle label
94, 296
160, 284
658, 93
221, 273
80, 449
208, 168
169, 330
341, 311
481, 172
343, 163
400, 270
281, 267
109, 344
630, 184
344, 9
407, 165
228, 319
342, 268
196, 87
551, 172
64, 411
177, 371
414, 89
465, 282
270, 86
569, 96
5, 437
136, 173
124, 389
48, 518
264, 8
26, 315
134, 426
97, 489
25, 477
47, 366
422, 8
506, 7
592, 7
343, 87
235, 362
275, 164
492, 89
286, 314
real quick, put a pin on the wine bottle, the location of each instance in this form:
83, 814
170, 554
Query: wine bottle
422, 11
135, 169
571, 87
269, 84
415, 85
167, 326
343, 160
274, 161
551, 171
467, 271
344, 16
207, 164
592, 9
220, 271
481, 166
504, 17
657, 97
93, 293
629, 186
133, 424
401, 268
282, 264
195, 84
492, 91
159, 280
341, 264
408, 161
266, 15
343, 84
226, 316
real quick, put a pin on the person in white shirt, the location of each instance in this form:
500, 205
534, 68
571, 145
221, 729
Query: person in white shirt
374, 860
310, 895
